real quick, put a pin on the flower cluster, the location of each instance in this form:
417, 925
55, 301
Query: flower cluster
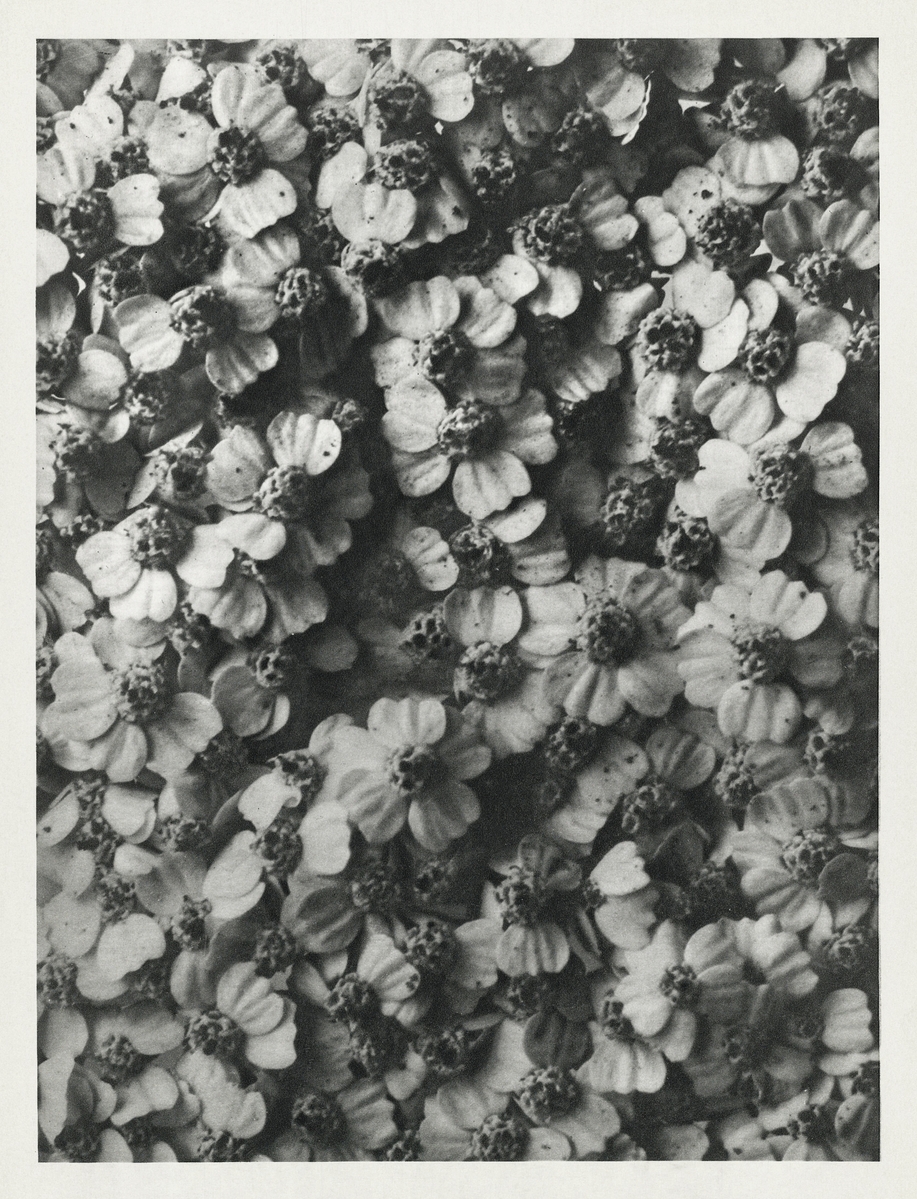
457, 587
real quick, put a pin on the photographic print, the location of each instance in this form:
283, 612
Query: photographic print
457, 599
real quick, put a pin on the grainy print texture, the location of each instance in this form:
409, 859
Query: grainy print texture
457, 583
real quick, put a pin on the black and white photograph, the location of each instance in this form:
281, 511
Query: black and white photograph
457, 558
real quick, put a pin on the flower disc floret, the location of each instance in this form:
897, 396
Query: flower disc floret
667, 339
629, 511
866, 1079
430, 947
444, 1050
405, 164
237, 156
679, 984
547, 1091
865, 549
374, 889
609, 632
427, 636
213, 1032
224, 755
397, 98
117, 1058
551, 235
55, 359
330, 127
827, 174
80, 1142
280, 844
765, 354
674, 446
571, 744
823, 277
283, 64
202, 317
687, 543
838, 754
807, 854
196, 249
77, 451
499, 1139
842, 113
734, 782
862, 348
468, 430
813, 1123
781, 474
648, 807
140, 692
728, 234
146, 397
750, 109
848, 950
128, 156
155, 536
46, 55
57, 981
285, 493
116, 896
481, 556
581, 133
185, 834
520, 896
275, 950
497, 65
120, 276
761, 652
411, 768
486, 671
378, 1045
188, 927
300, 293
319, 1116
613, 1023
621, 270
442, 356
86, 221
376, 266
351, 998
640, 54
300, 769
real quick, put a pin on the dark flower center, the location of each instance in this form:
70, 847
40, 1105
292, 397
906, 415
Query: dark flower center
445, 1050
494, 176
837, 754
842, 113
181, 473
780, 475
155, 537
813, 1123
331, 127
185, 834
237, 156
520, 896
127, 157
300, 293
481, 555
119, 276
283, 65
629, 513
374, 889
202, 317
648, 807
280, 844
468, 430
609, 632
376, 49
427, 636
571, 744
46, 52
499, 1139
275, 950
765, 354
620, 270
195, 249
580, 138
761, 652
57, 981
849, 949
667, 339
823, 277
213, 1032
862, 349
397, 98
728, 234
377, 267
827, 174
487, 671
443, 356
319, 1117
77, 451
146, 397
285, 493
221, 1147
79, 1142
87, 221
615, 1025
411, 768
750, 109
547, 1091
116, 896
865, 551
351, 998
189, 925
496, 65
430, 947
734, 782
55, 358
117, 1058
686, 543
641, 54
680, 986
746, 1047
403, 165
301, 769
807, 854
674, 446
551, 235
140, 692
